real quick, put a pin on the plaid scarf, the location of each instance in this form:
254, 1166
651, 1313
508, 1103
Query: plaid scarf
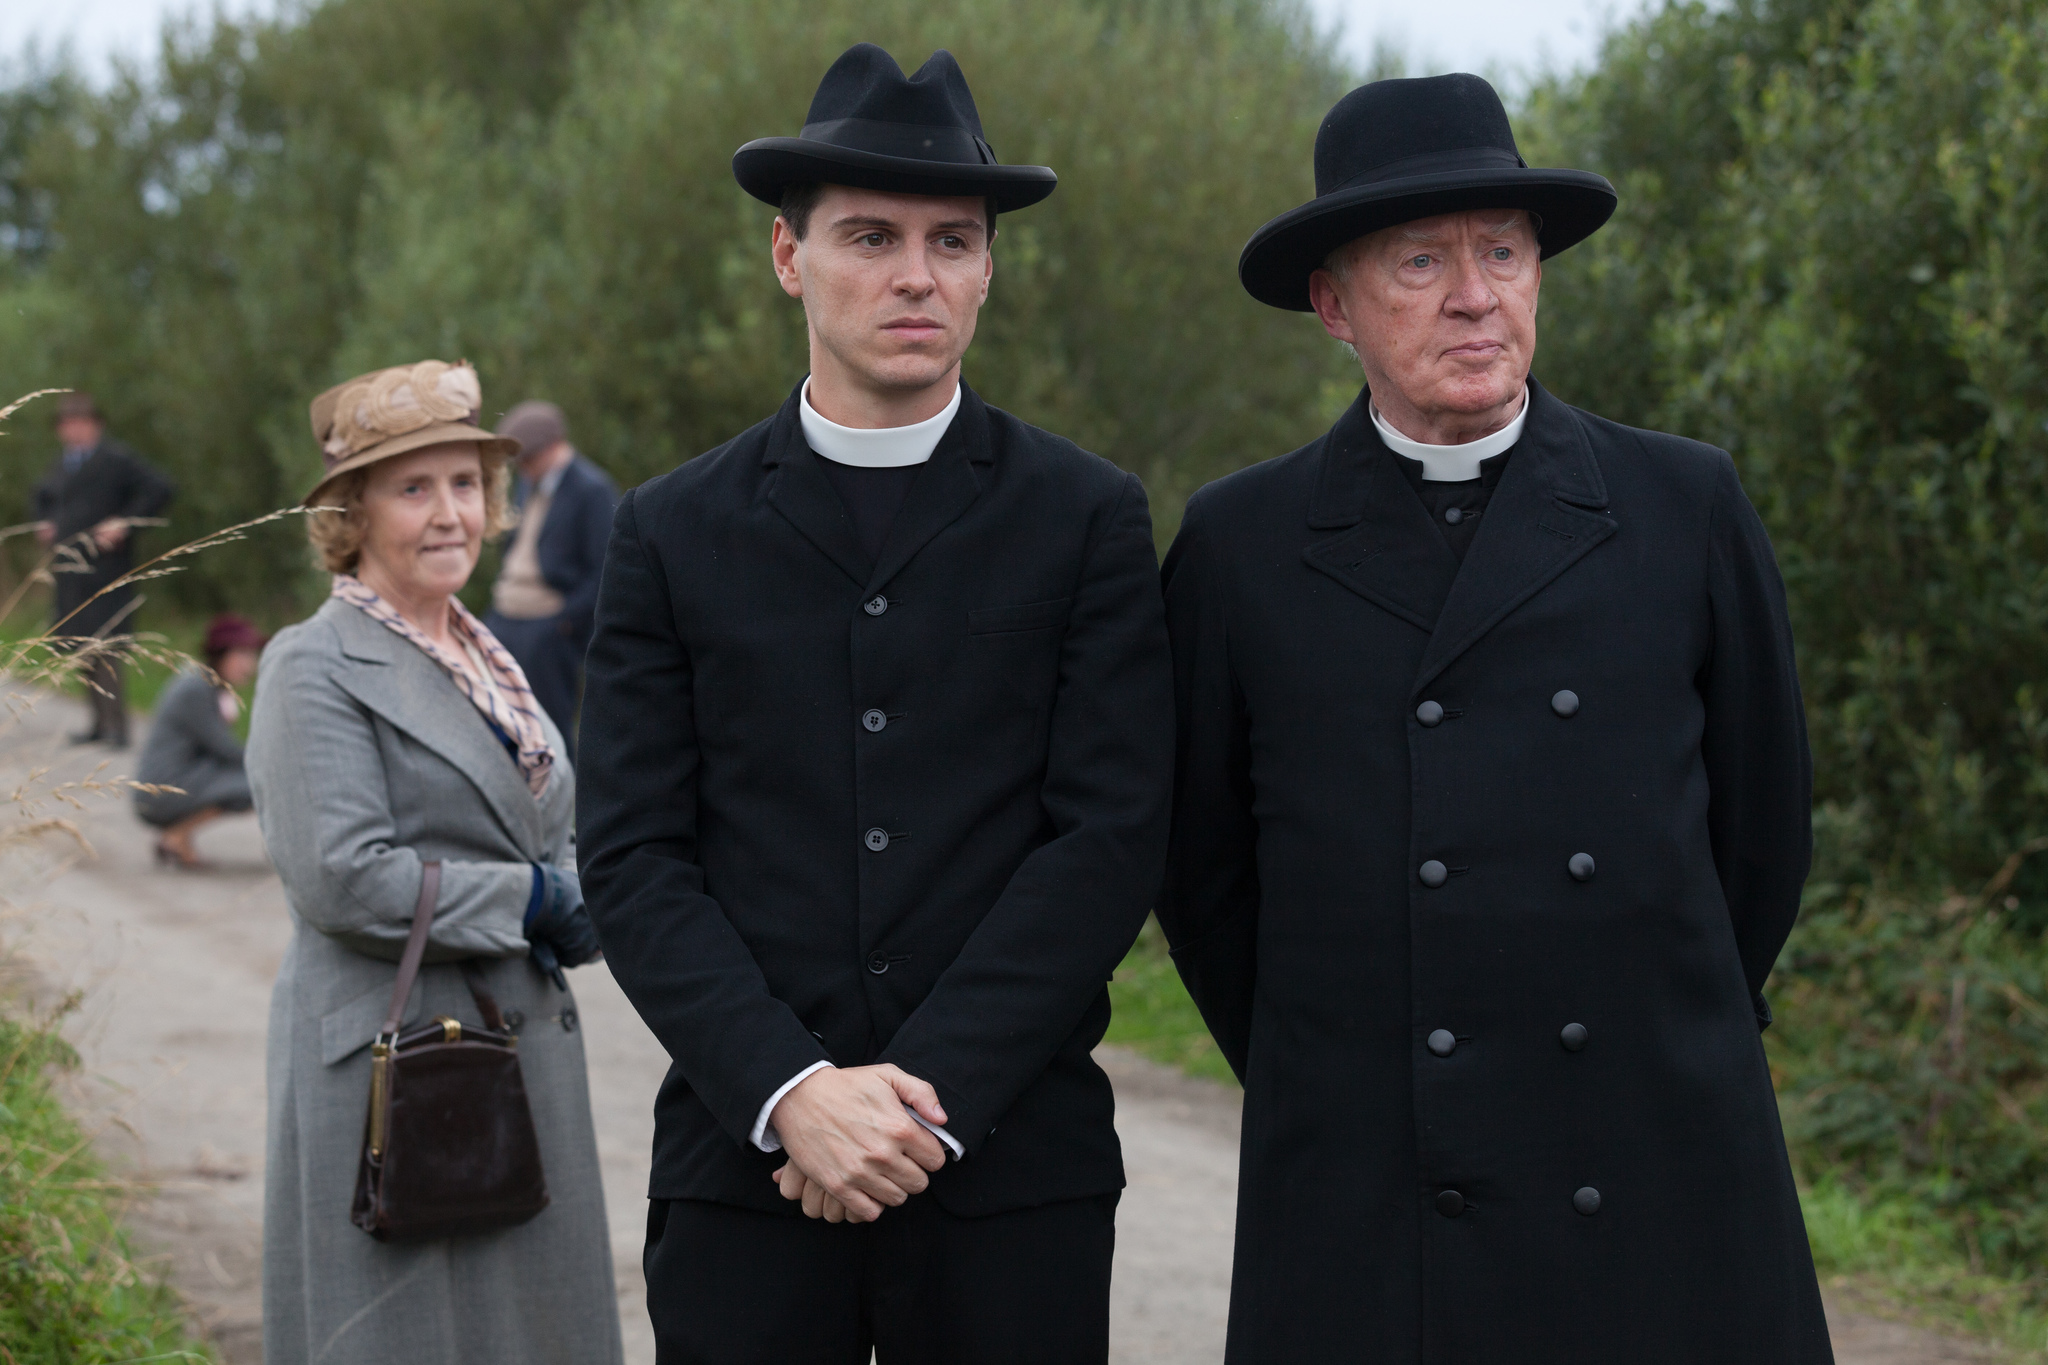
510, 708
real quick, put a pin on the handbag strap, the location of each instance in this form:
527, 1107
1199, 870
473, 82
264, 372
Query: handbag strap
486, 1003
415, 946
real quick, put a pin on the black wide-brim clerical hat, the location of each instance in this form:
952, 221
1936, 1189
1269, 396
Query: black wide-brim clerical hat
1395, 151
872, 127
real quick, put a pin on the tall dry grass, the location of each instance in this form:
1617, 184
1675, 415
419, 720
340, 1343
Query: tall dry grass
71, 1290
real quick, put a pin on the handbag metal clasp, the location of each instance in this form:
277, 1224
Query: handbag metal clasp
380, 1087
451, 1028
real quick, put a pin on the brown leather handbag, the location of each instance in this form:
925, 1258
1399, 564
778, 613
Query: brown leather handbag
449, 1146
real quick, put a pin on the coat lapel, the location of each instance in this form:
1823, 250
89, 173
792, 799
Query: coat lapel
1548, 511
798, 489
1389, 553
947, 485
400, 683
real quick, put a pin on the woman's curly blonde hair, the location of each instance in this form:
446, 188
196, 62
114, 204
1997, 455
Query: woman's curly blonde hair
337, 535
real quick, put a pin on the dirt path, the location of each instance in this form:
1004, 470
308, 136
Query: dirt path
176, 970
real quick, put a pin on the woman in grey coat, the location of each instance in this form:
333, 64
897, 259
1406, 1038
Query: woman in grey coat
389, 729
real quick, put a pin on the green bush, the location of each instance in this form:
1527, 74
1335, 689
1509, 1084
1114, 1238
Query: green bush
1911, 1054
1153, 1015
69, 1292
1831, 260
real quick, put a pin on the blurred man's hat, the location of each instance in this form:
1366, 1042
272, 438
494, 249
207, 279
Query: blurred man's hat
77, 403
389, 412
1394, 151
535, 426
871, 127
228, 631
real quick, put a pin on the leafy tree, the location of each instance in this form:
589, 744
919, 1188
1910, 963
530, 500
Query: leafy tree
1828, 261
1115, 316
194, 239
544, 186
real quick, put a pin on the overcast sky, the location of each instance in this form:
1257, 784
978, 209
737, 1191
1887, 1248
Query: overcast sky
1507, 38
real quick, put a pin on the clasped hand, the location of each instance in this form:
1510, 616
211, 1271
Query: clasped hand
853, 1147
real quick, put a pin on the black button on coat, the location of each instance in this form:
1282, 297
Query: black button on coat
1013, 625
1313, 605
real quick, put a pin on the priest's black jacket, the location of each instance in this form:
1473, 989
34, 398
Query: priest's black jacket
1503, 1103
908, 811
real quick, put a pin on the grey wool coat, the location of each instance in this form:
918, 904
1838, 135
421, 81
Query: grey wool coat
365, 760
192, 748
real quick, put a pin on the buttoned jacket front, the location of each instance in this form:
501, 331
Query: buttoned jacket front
1477, 871
907, 811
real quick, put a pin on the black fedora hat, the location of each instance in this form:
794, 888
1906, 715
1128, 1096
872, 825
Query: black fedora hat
1395, 151
873, 128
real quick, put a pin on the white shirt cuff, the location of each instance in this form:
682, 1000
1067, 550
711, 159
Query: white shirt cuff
764, 1136
952, 1143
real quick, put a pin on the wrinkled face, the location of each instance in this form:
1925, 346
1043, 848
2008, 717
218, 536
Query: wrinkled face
1442, 310
424, 519
891, 283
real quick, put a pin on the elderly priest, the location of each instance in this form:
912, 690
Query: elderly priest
1491, 812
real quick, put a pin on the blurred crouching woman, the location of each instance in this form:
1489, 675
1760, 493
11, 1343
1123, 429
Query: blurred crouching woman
391, 729
193, 759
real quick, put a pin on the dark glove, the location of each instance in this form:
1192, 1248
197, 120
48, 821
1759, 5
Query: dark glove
558, 929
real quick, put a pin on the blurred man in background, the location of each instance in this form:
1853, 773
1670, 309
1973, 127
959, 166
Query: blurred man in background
541, 604
87, 507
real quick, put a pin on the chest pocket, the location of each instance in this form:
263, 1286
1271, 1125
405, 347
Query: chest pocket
1015, 658
1019, 620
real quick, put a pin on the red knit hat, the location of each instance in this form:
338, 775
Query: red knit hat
228, 631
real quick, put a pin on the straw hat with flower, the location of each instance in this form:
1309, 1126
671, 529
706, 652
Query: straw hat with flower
390, 412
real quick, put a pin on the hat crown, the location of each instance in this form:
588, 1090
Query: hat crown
536, 425
866, 83
872, 127
373, 408
1413, 126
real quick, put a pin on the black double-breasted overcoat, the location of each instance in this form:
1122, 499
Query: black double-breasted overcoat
1477, 872
910, 810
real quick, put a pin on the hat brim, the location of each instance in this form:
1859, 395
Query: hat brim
1277, 261
440, 433
768, 165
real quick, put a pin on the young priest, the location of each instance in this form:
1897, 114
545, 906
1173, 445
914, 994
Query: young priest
877, 742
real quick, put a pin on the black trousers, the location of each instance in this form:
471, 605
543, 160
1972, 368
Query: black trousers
919, 1286
552, 662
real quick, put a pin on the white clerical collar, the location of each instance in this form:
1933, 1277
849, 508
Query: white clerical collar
1452, 464
874, 447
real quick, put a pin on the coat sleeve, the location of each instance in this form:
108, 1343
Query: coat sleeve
145, 490
1039, 957
670, 945
595, 504
324, 802
1759, 770
1209, 904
